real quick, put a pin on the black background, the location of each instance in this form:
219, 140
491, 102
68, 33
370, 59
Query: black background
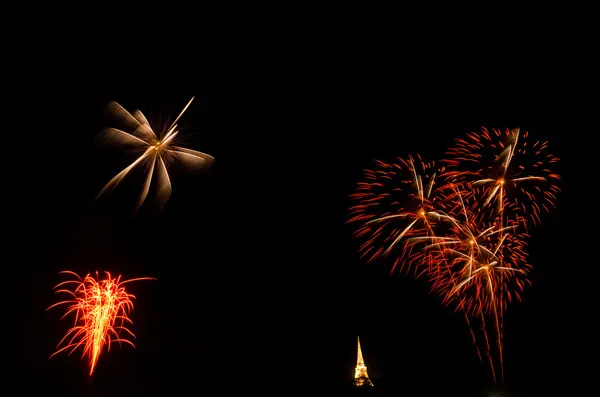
259, 283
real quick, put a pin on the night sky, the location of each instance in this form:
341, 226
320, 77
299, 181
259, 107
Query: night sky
259, 281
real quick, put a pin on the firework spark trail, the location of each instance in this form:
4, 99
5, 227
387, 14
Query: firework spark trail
101, 310
157, 151
487, 346
472, 335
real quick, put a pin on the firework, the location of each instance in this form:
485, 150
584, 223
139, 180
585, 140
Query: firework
464, 224
155, 151
101, 310
510, 176
464, 258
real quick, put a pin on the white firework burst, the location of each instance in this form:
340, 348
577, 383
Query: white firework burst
157, 150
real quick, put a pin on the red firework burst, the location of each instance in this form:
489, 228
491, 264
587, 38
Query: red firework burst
508, 175
394, 202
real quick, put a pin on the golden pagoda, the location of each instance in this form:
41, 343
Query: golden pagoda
361, 378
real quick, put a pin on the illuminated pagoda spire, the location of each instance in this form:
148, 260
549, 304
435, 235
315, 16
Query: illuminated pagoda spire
361, 378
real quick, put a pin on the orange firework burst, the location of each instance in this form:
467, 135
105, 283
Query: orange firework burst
101, 310
509, 176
